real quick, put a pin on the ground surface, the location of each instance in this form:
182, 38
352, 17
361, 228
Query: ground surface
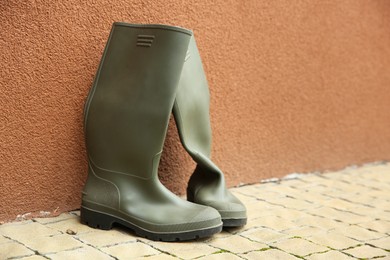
336, 215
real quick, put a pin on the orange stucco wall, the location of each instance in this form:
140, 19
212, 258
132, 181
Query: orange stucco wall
296, 86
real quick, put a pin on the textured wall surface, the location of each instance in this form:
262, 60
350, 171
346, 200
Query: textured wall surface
296, 86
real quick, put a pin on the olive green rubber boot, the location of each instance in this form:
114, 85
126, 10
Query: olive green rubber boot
126, 119
191, 113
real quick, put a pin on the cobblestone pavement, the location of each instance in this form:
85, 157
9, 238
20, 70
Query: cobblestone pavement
336, 215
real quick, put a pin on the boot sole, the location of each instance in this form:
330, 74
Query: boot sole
234, 222
100, 220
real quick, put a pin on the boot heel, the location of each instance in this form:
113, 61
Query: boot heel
96, 219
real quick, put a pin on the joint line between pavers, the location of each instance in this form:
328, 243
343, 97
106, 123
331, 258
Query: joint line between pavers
97, 248
158, 249
17, 241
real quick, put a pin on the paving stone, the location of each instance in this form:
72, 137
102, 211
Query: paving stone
269, 254
299, 246
304, 231
343, 216
130, 250
262, 209
226, 255
247, 200
27, 232
358, 233
161, 256
73, 224
237, 244
275, 223
319, 222
329, 255
333, 240
366, 252
381, 226
263, 235
292, 203
184, 250
252, 223
315, 198
287, 214
100, 238
258, 191
85, 252
46, 245
33, 257
8, 250
223, 234
368, 211
339, 204
55, 219
4, 240
383, 243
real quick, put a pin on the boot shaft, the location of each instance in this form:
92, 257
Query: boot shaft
128, 108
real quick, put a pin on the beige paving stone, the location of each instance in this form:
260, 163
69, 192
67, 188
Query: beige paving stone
292, 203
299, 246
161, 256
261, 209
319, 222
314, 198
252, 223
247, 200
383, 243
264, 235
358, 233
185, 250
33, 257
63, 216
218, 256
329, 255
86, 252
72, 224
99, 238
339, 204
258, 191
367, 211
304, 231
269, 254
130, 250
355, 219
27, 232
237, 244
293, 183
222, 234
343, 216
4, 240
380, 226
275, 223
333, 240
366, 252
285, 190
288, 214
8, 250
380, 203
46, 245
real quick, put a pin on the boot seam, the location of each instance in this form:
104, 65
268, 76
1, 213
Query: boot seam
117, 172
116, 187
155, 26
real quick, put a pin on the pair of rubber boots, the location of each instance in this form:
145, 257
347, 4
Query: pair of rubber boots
146, 72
